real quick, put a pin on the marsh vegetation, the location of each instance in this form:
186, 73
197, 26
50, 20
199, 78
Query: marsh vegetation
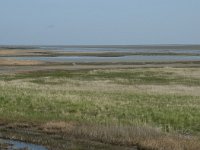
101, 104
149, 107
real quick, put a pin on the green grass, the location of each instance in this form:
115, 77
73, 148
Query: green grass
137, 76
65, 96
158, 110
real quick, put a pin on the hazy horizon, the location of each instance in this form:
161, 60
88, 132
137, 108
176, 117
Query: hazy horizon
2, 45
100, 22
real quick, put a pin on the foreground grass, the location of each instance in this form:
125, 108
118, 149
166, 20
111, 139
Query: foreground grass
167, 111
117, 98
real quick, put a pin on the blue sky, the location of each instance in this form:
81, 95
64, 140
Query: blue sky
70, 22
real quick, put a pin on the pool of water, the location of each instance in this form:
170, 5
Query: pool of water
130, 58
119, 49
134, 58
6, 144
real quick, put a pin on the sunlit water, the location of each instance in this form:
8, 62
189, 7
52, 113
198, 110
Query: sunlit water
130, 58
17, 145
117, 49
134, 58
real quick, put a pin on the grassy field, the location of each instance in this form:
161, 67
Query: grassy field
156, 108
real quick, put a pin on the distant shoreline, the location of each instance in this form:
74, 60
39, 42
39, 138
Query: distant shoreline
159, 46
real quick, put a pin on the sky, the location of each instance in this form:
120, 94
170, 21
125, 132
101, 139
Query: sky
99, 22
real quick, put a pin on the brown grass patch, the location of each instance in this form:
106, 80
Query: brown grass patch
10, 62
58, 126
19, 52
10, 52
145, 137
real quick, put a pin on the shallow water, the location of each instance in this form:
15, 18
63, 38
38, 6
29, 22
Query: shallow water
17, 145
134, 58
121, 49
118, 49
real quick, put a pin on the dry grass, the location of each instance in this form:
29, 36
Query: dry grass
144, 137
11, 62
11, 52
19, 52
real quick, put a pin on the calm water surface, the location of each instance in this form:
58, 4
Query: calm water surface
134, 58
130, 58
17, 145
118, 49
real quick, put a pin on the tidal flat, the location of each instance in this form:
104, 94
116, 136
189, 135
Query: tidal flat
100, 105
